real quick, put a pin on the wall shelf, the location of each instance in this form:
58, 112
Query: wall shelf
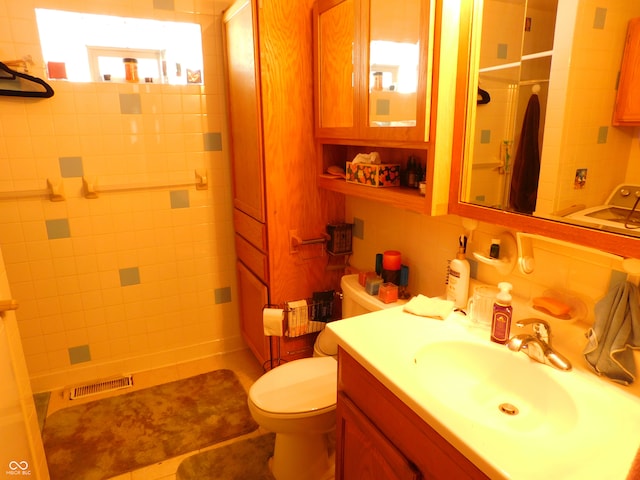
401, 197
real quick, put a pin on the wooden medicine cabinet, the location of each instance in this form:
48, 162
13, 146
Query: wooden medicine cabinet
380, 81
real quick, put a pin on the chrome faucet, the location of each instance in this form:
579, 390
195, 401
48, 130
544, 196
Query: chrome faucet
538, 345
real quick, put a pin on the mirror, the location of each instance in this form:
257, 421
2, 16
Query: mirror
583, 159
394, 55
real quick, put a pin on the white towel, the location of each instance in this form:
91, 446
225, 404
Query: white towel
429, 307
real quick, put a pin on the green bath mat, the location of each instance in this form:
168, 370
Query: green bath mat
115, 435
241, 460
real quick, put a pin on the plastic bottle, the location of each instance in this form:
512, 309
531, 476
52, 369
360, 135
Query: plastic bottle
502, 311
494, 251
458, 279
131, 70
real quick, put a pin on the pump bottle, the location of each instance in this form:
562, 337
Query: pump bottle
502, 311
458, 279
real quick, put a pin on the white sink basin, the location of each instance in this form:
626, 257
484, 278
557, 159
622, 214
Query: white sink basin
494, 387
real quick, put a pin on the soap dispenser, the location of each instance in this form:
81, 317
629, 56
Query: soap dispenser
502, 311
458, 276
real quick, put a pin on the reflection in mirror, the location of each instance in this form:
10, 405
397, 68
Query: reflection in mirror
514, 69
583, 160
393, 60
164, 52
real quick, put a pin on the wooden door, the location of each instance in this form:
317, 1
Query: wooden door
252, 297
363, 453
627, 109
244, 104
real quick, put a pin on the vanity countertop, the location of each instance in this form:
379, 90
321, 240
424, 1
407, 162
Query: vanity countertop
600, 440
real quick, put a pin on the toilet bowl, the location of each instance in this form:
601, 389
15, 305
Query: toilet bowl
297, 400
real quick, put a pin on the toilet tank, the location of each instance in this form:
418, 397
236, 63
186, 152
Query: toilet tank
355, 301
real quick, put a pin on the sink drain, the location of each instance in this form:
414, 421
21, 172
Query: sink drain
508, 409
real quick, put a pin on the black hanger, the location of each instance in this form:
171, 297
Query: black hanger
483, 97
10, 75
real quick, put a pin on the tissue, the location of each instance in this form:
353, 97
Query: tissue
372, 158
272, 321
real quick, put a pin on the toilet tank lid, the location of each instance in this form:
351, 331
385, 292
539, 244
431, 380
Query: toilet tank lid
300, 386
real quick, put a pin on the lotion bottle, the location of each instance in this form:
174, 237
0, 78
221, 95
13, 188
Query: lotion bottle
502, 311
458, 277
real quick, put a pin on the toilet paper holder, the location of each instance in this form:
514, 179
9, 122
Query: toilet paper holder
302, 317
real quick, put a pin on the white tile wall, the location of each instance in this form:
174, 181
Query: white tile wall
69, 289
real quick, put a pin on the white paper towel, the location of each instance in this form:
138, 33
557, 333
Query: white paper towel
272, 321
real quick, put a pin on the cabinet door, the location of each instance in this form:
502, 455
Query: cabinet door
396, 69
245, 124
335, 34
373, 69
627, 109
253, 296
362, 452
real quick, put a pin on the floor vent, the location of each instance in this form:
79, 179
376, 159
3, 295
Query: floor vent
101, 386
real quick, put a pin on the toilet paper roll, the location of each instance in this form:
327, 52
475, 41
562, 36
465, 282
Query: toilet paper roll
272, 319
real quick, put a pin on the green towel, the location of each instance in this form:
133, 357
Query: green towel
615, 332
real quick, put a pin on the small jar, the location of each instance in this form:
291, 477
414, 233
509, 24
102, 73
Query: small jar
131, 70
377, 81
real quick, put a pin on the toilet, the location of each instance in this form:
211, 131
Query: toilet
297, 400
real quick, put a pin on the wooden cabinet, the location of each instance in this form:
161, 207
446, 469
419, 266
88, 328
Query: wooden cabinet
627, 108
268, 58
365, 452
380, 84
399, 444
372, 69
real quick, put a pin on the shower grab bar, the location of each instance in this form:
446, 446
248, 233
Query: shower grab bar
54, 190
6, 305
90, 189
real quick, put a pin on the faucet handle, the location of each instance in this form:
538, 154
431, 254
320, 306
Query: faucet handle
541, 328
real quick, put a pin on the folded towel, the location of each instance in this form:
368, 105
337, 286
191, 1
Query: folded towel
429, 307
615, 331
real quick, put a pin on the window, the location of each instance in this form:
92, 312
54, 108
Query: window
91, 47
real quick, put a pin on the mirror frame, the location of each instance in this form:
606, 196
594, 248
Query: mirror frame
623, 245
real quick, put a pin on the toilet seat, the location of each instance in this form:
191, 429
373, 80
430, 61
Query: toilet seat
302, 386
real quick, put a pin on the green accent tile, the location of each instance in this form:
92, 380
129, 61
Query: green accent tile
485, 136
71, 167
130, 103
41, 401
129, 276
179, 198
163, 4
602, 134
223, 295
503, 49
480, 198
213, 142
383, 106
58, 228
358, 228
600, 18
79, 354
473, 268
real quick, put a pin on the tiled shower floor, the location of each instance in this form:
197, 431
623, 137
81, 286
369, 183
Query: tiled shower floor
243, 363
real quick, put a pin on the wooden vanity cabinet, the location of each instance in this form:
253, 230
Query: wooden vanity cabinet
268, 60
627, 107
378, 436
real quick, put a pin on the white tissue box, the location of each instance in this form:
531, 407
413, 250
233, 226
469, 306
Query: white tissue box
382, 175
